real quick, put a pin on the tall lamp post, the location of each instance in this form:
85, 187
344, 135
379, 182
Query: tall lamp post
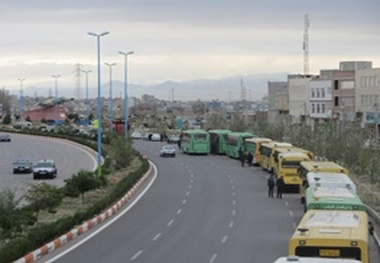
111, 96
21, 101
99, 103
125, 54
87, 102
56, 99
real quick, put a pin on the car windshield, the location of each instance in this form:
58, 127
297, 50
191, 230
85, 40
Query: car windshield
22, 162
168, 148
44, 165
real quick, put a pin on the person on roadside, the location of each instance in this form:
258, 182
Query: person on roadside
249, 159
241, 156
270, 184
280, 187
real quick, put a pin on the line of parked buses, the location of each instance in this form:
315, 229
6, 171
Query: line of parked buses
335, 226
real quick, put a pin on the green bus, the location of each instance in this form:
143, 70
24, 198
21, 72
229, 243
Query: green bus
195, 142
218, 141
332, 198
236, 141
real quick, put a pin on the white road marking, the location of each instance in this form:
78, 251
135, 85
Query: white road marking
170, 222
179, 211
213, 258
233, 193
190, 186
234, 212
294, 225
286, 203
184, 201
136, 255
231, 224
233, 202
224, 240
191, 181
291, 213
187, 193
156, 237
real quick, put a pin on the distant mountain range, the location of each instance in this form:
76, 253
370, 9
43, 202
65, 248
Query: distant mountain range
203, 89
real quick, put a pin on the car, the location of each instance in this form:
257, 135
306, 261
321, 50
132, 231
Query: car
155, 137
173, 139
23, 166
167, 150
136, 135
5, 137
45, 169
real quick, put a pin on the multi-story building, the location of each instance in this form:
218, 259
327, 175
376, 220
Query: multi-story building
320, 99
277, 100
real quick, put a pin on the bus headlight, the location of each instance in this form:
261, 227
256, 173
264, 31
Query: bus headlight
354, 243
303, 242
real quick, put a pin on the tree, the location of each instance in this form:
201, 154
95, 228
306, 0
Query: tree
238, 123
43, 196
198, 108
120, 152
217, 121
81, 183
7, 119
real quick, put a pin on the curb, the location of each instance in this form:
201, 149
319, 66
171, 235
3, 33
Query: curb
44, 250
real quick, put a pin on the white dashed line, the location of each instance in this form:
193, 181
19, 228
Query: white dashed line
191, 181
184, 201
234, 194
190, 186
191, 175
187, 193
234, 212
179, 211
286, 203
231, 224
156, 237
233, 202
213, 258
137, 255
224, 240
294, 225
233, 187
291, 213
170, 222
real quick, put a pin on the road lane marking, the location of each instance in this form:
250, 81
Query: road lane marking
156, 237
136, 255
170, 222
286, 203
184, 201
224, 240
179, 211
233, 202
233, 193
213, 258
234, 212
291, 213
231, 224
294, 225
187, 193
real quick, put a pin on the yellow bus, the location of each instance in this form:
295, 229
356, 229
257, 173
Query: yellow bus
253, 146
287, 165
331, 234
313, 166
267, 151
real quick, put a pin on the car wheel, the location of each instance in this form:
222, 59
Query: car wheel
34, 177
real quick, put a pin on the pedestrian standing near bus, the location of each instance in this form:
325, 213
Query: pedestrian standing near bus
249, 159
270, 184
241, 156
280, 187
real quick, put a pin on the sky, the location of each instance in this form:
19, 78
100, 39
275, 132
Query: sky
178, 40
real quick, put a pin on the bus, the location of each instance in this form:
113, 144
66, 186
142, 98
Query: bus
314, 166
253, 146
323, 179
331, 234
287, 165
236, 141
218, 141
332, 198
195, 142
266, 153
296, 259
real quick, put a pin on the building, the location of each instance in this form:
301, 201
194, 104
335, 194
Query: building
277, 100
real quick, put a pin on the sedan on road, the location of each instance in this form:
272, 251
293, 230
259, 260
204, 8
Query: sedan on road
5, 138
167, 150
22, 166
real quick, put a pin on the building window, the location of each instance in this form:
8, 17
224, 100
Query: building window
336, 84
323, 108
312, 108
323, 92
317, 108
312, 93
317, 92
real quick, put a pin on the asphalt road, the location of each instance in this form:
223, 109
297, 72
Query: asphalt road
69, 158
199, 209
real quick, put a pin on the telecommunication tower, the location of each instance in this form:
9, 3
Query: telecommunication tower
77, 76
306, 45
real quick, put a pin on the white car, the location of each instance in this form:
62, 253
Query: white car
136, 135
167, 150
155, 137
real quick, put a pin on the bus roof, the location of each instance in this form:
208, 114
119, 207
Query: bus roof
276, 144
219, 131
333, 224
258, 140
313, 166
241, 134
320, 192
195, 131
291, 155
296, 259
330, 179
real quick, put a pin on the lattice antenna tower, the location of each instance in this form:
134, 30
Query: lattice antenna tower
243, 91
306, 45
77, 76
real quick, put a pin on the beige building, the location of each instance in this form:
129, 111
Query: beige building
367, 85
299, 96
277, 100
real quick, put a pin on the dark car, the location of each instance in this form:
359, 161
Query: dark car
173, 139
45, 169
5, 137
22, 166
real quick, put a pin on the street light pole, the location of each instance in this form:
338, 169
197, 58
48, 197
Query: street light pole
87, 102
111, 96
99, 103
56, 99
125, 54
21, 101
